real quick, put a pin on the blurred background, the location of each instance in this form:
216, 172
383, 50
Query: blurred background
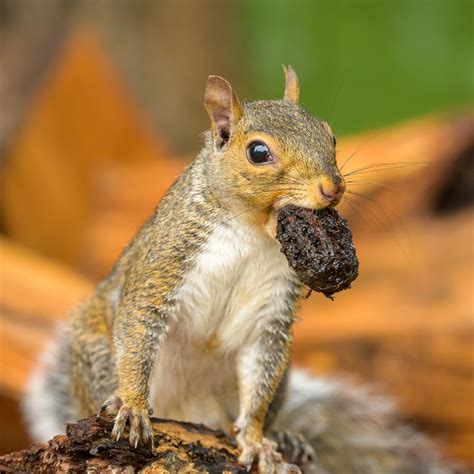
101, 108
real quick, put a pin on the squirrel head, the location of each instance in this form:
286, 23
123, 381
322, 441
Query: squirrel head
271, 153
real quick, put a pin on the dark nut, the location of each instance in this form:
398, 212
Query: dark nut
318, 246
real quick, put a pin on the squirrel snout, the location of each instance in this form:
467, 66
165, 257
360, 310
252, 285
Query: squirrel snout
331, 192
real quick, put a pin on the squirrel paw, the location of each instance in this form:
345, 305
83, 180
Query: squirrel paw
139, 423
270, 461
295, 447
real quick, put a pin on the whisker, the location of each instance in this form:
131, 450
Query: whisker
385, 211
335, 98
387, 226
353, 207
384, 167
362, 196
358, 149
300, 174
359, 182
271, 191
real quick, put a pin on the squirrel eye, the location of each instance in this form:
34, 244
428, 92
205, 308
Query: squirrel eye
258, 153
334, 140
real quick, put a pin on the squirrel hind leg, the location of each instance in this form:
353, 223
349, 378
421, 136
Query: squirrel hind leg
92, 362
95, 380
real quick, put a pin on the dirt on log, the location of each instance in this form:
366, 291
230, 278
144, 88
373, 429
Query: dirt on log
88, 447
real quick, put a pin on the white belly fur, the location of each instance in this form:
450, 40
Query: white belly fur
222, 300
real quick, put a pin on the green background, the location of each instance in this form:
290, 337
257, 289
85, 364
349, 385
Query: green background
362, 64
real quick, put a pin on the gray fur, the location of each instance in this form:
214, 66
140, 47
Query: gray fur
115, 336
352, 430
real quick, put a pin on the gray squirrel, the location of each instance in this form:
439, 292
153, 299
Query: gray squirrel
195, 320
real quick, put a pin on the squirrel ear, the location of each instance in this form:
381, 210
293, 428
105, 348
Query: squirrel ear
292, 85
223, 107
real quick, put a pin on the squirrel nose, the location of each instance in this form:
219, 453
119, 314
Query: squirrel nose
330, 191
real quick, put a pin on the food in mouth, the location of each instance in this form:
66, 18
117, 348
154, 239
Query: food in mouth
318, 246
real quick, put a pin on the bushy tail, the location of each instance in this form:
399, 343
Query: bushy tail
350, 430
47, 404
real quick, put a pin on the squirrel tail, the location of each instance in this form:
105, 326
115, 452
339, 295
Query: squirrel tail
47, 404
353, 430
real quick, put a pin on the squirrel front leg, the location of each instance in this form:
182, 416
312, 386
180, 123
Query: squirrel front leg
138, 331
261, 368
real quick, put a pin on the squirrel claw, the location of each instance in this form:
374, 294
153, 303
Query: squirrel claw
140, 429
249, 451
246, 459
111, 406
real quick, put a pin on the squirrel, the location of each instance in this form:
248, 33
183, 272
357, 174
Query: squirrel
195, 320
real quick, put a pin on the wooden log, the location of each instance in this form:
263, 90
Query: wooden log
181, 447
88, 446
